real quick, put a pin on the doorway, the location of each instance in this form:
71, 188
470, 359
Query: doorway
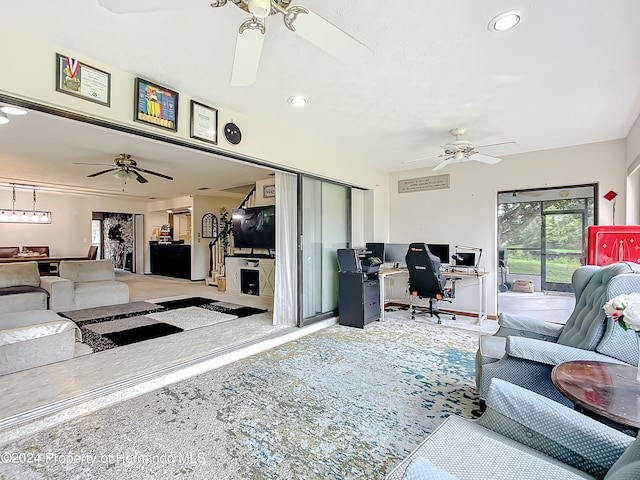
541, 242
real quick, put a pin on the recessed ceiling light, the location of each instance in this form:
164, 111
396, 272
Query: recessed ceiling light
504, 21
3, 118
13, 110
297, 101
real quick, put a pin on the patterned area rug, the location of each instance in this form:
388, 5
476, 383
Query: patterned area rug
115, 325
341, 403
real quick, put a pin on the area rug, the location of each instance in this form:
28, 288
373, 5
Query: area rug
111, 326
341, 403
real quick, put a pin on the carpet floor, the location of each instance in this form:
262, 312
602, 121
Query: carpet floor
341, 403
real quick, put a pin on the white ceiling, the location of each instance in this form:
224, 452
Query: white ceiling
568, 74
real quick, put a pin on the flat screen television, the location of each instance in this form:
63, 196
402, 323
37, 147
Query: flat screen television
254, 227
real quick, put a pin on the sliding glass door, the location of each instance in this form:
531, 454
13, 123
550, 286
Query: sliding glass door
324, 222
541, 235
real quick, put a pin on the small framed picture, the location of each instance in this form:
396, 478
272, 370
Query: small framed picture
156, 105
81, 80
269, 191
204, 122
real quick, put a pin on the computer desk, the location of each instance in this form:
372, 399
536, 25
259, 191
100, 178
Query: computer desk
449, 275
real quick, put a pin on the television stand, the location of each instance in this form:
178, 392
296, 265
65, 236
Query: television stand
250, 275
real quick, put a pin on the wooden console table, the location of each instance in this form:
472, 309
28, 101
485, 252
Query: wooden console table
606, 391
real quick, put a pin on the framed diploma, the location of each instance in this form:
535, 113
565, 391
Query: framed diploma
155, 105
81, 80
204, 122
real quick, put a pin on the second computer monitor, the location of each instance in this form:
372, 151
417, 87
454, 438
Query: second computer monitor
396, 253
466, 259
440, 250
376, 249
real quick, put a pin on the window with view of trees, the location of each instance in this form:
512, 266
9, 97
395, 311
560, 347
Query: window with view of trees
545, 237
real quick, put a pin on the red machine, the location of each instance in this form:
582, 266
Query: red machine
613, 243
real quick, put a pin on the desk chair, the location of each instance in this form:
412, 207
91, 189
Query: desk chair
9, 252
425, 280
503, 271
93, 252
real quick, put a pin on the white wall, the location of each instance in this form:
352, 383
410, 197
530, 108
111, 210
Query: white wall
69, 233
465, 213
36, 61
260, 199
200, 246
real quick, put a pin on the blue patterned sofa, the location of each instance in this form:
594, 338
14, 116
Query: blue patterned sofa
522, 435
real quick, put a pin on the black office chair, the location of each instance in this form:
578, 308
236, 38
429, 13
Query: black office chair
503, 271
426, 281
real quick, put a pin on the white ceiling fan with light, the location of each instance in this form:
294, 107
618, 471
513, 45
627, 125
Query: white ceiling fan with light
460, 150
251, 32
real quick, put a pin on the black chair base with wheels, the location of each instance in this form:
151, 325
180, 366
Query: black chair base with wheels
431, 310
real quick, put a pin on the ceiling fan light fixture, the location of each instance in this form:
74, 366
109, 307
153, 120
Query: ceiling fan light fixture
259, 8
297, 101
505, 21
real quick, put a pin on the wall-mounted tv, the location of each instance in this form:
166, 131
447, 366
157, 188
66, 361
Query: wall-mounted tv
254, 227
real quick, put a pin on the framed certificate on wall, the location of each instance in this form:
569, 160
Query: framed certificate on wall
204, 122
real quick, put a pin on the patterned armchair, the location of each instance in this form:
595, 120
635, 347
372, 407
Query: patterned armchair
522, 435
524, 350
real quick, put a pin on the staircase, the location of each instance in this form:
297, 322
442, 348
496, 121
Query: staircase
216, 254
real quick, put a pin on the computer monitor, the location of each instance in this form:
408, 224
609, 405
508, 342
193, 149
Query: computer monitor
440, 250
466, 259
376, 249
396, 253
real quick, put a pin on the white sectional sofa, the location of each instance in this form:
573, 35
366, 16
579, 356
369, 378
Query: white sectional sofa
21, 288
86, 284
30, 334
33, 338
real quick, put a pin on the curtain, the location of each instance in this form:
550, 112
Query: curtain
285, 304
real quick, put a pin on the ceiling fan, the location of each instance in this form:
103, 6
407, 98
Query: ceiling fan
460, 150
126, 168
251, 33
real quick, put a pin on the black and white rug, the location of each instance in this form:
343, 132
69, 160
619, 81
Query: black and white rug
116, 325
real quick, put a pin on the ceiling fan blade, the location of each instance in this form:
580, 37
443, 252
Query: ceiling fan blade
495, 144
104, 171
137, 6
150, 172
82, 163
484, 158
248, 52
322, 33
423, 158
443, 163
139, 177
